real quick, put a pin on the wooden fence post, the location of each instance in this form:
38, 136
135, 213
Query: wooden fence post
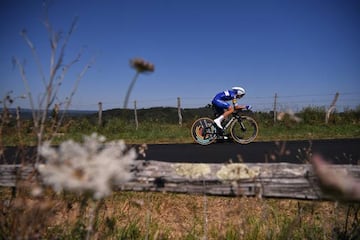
55, 113
179, 111
331, 108
18, 117
269, 180
275, 106
136, 118
100, 114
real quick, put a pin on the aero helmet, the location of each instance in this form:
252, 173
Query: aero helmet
240, 91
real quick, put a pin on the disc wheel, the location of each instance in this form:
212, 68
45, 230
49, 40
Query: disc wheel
203, 131
245, 130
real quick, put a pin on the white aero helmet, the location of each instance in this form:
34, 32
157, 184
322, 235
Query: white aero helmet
240, 91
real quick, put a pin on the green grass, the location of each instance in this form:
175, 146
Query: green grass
308, 132
163, 132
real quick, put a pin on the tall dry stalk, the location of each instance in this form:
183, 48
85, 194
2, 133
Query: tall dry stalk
53, 81
140, 66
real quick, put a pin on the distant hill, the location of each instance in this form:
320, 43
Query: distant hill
27, 113
160, 114
155, 114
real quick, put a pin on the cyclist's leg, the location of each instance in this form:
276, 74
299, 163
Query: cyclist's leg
217, 110
221, 107
228, 111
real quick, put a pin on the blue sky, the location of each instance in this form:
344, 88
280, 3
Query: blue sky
303, 50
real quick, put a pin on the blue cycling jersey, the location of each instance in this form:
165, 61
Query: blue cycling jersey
220, 100
226, 95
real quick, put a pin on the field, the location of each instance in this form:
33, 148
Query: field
33, 211
161, 125
127, 215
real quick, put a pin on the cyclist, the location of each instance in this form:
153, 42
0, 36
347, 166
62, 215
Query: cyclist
223, 108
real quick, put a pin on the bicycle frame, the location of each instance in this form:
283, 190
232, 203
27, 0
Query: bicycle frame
242, 128
227, 125
235, 116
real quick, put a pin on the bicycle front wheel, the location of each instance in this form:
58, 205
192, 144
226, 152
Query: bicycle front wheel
203, 131
244, 130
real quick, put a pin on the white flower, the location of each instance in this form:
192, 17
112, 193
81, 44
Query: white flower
92, 166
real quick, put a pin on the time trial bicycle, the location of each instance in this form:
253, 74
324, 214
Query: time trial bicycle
242, 128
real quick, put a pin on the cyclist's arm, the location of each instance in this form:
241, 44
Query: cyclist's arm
238, 106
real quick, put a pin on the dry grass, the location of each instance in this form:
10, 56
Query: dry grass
141, 215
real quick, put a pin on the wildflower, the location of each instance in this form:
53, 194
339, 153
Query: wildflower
141, 65
92, 166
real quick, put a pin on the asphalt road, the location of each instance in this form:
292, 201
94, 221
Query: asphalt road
339, 151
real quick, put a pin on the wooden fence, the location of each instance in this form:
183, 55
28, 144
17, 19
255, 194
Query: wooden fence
179, 110
269, 180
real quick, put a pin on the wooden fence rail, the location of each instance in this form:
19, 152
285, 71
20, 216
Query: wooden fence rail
270, 180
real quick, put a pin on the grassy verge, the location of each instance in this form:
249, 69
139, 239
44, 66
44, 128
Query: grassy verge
308, 132
128, 215
152, 132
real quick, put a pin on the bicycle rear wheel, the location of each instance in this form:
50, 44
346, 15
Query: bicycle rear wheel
244, 130
203, 131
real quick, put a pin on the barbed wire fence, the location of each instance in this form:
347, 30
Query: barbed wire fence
277, 103
296, 102
329, 102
